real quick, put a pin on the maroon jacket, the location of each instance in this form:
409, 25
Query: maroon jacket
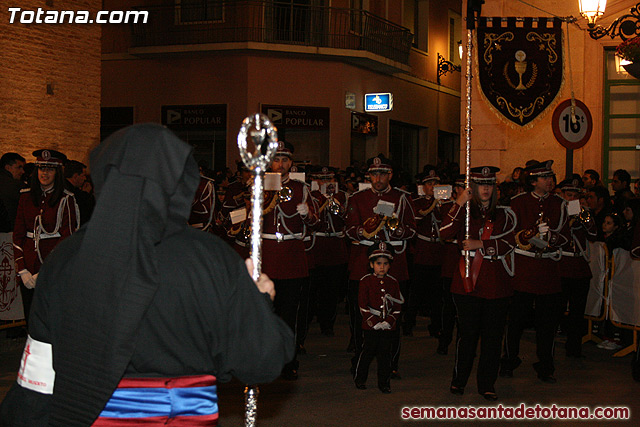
538, 275
428, 249
373, 300
285, 258
493, 279
51, 224
574, 263
363, 226
329, 245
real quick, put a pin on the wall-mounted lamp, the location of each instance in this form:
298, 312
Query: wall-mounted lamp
626, 27
460, 49
445, 67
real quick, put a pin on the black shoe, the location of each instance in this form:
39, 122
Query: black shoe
507, 367
442, 348
395, 375
549, 379
459, 391
301, 349
385, 389
289, 374
490, 396
361, 386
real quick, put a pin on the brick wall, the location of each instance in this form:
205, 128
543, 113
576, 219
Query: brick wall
67, 58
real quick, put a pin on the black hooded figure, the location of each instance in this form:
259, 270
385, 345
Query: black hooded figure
137, 293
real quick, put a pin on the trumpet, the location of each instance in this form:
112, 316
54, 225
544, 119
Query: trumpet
584, 215
392, 223
334, 206
285, 194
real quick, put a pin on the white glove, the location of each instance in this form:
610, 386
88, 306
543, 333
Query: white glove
27, 278
303, 209
32, 283
543, 228
382, 326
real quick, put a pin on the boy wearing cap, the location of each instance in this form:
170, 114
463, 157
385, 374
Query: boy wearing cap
540, 216
379, 300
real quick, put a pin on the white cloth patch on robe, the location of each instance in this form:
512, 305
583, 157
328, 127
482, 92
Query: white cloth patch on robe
36, 367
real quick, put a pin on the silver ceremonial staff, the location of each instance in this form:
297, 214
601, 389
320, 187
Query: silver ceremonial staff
467, 130
259, 129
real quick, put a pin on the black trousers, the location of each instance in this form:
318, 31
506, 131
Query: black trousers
574, 292
425, 292
325, 285
355, 322
484, 320
448, 319
287, 304
377, 344
27, 299
548, 311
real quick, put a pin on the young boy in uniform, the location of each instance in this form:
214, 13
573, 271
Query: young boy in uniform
379, 299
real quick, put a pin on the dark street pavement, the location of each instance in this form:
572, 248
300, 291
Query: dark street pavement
325, 395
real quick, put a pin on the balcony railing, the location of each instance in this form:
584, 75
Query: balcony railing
272, 22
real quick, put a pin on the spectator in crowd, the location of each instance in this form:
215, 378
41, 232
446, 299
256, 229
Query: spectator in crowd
621, 185
75, 174
598, 201
636, 188
591, 179
11, 171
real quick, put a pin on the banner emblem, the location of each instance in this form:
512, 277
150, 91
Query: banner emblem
520, 65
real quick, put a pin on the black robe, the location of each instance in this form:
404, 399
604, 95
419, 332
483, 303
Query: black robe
137, 293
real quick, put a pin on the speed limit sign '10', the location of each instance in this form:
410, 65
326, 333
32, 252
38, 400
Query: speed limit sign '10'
572, 134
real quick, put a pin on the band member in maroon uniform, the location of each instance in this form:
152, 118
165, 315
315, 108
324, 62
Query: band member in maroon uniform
203, 206
379, 300
635, 253
288, 218
329, 249
236, 196
450, 263
575, 273
540, 216
365, 222
47, 213
482, 299
426, 287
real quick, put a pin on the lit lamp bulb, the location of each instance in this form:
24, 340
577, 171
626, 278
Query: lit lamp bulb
592, 10
460, 48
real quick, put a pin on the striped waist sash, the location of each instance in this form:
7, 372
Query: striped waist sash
181, 401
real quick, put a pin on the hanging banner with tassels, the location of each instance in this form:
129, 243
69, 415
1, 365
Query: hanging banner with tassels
520, 65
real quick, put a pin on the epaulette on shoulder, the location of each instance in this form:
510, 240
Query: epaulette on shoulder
207, 178
403, 191
518, 195
25, 190
301, 182
67, 192
360, 191
365, 276
388, 275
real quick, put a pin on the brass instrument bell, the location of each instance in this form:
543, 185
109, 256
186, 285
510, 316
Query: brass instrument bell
334, 206
285, 194
392, 223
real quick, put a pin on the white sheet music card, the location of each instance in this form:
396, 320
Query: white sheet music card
384, 208
272, 181
420, 190
442, 192
363, 185
297, 175
315, 186
238, 215
573, 207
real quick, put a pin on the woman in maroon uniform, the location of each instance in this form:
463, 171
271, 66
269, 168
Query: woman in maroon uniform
482, 299
47, 213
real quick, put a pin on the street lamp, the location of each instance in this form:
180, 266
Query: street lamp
626, 27
592, 10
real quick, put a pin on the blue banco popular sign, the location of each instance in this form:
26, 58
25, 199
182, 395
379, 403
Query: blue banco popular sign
378, 102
